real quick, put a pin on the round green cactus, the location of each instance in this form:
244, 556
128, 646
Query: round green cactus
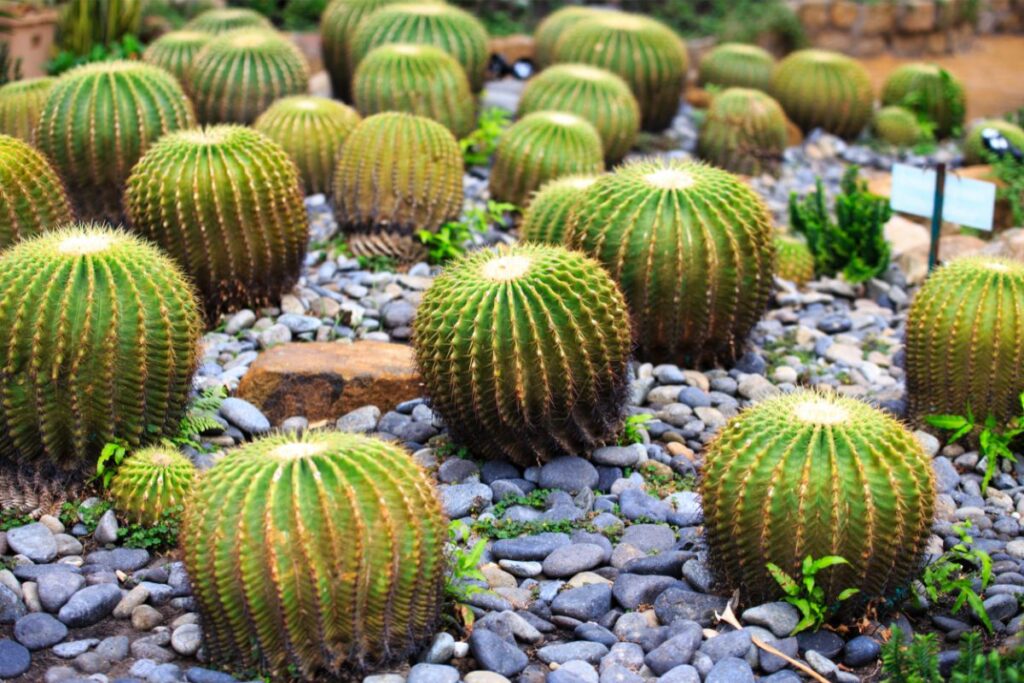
691, 246
524, 352
21, 104
648, 55
823, 89
222, 20
974, 146
965, 332
594, 94
175, 51
98, 121
32, 198
152, 482
238, 75
793, 259
312, 131
812, 473
540, 147
320, 554
546, 219
551, 28
100, 340
929, 90
744, 132
417, 79
455, 31
897, 126
226, 203
737, 65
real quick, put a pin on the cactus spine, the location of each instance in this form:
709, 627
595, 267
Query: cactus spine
21, 103
974, 147
324, 553
929, 90
175, 51
737, 65
32, 198
793, 260
551, 28
151, 482
823, 89
222, 20
745, 132
546, 219
524, 352
897, 126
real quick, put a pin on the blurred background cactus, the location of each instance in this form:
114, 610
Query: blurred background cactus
93, 30
223, 19
898, 126
32, 198
744, 132
151, 483
547, 217
175, 51
823, 89
551, 28
21, 104
930, 92
974, 146
793, 259
735, 65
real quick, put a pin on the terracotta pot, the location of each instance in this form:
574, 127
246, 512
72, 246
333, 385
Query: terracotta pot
31, 37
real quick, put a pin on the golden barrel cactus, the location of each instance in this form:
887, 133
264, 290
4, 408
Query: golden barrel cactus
744, 132
21, 104
151, 483
824, 89
175, 51
32, 198
547, 217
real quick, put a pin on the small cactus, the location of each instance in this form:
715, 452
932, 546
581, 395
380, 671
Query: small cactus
226, 203
823, 89
315, 556
974, 146
929, 90
221, 20
21, 103
540, 147
32, 198
551, 28
175, 51
897, 126
793, 260
312, 131
417, 79
965, 335
594, 94
744, 132
547, 217
152, 482
737, 65
238, 75
817, 474
100, 340
691, 247
524, 352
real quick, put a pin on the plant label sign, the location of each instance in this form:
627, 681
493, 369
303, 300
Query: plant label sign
966, 202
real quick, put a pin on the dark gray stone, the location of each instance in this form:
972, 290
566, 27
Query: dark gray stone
861, 651
32, 572
633, 590
649, 537
823, 642
199, 675
35, 541
595, 633
90, 605
14, 659
572, 559
732, 644
1001, 607
694, 397
615, 673
778, 617
666, 563
681, 674
528, 547
678, 603
771, 663
114, 648
119, 559
496, 654
433, 673
560, 653
618, 456
636, 504
675, 651
730, 670
12, 607
57, 589
586, 603
568, 473
38, 630
244, 415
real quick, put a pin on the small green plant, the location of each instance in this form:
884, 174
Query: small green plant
478, 147
126, 47
954, 574
447, 243
449, 449
199, 418
463, 564
1010, 173
378, 263
807, 595
632, 430
163, 535
536, 498
11, 518
917, 662
662, 481
112, 455
72, 513
507, 528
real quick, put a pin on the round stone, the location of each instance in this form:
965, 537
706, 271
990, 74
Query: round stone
14, 659
38, 630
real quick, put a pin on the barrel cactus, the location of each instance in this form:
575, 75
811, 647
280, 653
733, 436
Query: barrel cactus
691, 247
648, 55
237, 76
594, 94
965, 332
744, 132
547, 217
813, 473
224, 19
21, 103
737, 65
974, 146
100, 339
32, 198
823, 89
929, 90
524, 352
897, 126
315, 555
312, 131
540, 147
226, 203
175, 51
418, 79
152, 482
793, 259
98, 121
551, 28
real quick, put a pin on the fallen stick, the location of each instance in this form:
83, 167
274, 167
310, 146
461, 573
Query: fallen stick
730, 618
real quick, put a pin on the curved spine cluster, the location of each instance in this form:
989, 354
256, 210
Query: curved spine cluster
221, 20
32, 198
793, 260
744, 132
152, 482
21, 104
547, 217
737, 65
928, 89
175, 51
823, 89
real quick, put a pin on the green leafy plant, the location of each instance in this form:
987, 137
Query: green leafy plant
448, 242
127, 47
111, 457
536, 498
954, 574
1010, 174
158, 536
975, 666
632, 429
478, 147
199, 419
807, 594
11, 518
72, 513
932, 94
463, 564
917, 662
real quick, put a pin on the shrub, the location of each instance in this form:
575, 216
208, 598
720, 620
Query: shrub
931, 92
744, 132
224, 19
735, 65
21, 104
898, 126
175, 51
823, 89
32, 198
974, 148
151, 482
546, 219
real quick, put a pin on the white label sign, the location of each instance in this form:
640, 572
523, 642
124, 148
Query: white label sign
967, 202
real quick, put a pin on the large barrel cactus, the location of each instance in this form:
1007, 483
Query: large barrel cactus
594, 94
974, 145
152, 482
823, 89
21, 104
540, 147
965, 333
224, 19
417, 79
237, 76
929, 90
793, 259
744, 132
737, 65
524, 351
99, 119
315, 556
226, 203
547, 217
817, 474
648, 55
691, 246
175, 51
551, 28
32, 198
897, 126
100, 337
312, 131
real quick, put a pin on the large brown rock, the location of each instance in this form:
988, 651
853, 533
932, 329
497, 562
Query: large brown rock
323, 381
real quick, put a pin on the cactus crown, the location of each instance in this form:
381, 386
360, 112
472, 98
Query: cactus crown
546, 219
793, 259
21, 103
176, 50
974, 147
745, 132
930, 90
222, 20
551, 28
150, 482
737, 65
897, 126
32, 198
820, 88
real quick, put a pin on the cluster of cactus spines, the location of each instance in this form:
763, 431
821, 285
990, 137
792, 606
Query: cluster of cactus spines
524, 351
595, 94
454, 30
929, 89
965, 340
151, 482
737, 65
32, 197
744, 132
99, 343
224, 19
547, 217
417, 79
320, 554
551, 28
691, 247
175, 51
540, 147
824, 89
793, 259
312, 130
21, 103
98, 121
814, 473
897, 126
648, 55
226, 203
238, 75
974, 146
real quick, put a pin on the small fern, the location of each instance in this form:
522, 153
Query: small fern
200, 417
914, 663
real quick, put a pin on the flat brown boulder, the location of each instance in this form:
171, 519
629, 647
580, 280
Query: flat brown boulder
323, 381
